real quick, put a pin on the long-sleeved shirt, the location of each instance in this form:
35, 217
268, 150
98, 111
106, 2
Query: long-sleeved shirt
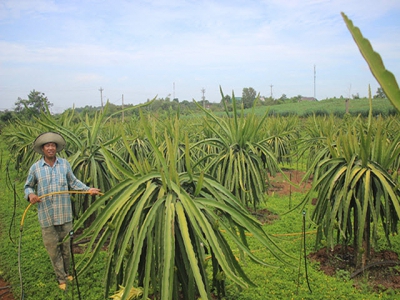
55, 209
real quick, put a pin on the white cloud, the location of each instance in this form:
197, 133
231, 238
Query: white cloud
145, 46
11, 9
88, 78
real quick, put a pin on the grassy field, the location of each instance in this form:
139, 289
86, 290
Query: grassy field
295, 279
333, 106
278, 280
298, 281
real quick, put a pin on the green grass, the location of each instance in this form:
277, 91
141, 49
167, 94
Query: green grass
336, 106
290, 281
38, 277
279, 281
330, 106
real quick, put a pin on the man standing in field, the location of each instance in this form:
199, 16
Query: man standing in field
53, 175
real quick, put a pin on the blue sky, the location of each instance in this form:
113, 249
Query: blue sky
142, 49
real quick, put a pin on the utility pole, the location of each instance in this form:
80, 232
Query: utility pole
122, 108
348, 100
271, 90
315, 77
204, 98
173, 93
101, 97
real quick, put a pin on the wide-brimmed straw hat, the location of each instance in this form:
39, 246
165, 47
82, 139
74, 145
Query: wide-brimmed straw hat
48, 137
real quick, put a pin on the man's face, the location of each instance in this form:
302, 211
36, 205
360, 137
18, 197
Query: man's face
50, 150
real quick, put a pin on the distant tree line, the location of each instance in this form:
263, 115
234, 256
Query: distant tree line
37, 102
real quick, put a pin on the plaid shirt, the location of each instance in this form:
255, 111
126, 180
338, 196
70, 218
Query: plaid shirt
55, 209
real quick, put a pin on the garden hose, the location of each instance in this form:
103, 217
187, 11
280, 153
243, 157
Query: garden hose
305, 251
21, 229
71, 238
14, 190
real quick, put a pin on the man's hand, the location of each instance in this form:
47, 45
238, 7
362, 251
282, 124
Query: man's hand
94, 191
33, 198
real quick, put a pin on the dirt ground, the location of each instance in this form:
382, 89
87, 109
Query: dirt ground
381, 271
279, 184
5, 291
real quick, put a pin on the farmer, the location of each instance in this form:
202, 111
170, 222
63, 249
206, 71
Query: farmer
48, 175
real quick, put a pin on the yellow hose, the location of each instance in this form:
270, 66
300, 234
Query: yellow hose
51, 194
22, 224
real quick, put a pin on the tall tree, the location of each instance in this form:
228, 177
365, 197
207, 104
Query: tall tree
37, 102
227, 99
248, 97
380, 94
6, 116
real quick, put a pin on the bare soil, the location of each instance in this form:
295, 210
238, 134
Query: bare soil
381, 271
5, 291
